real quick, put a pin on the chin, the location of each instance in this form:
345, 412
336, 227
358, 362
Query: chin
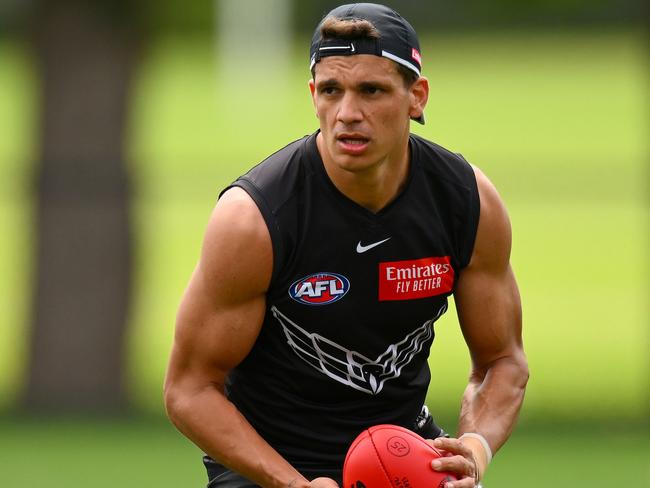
353, 164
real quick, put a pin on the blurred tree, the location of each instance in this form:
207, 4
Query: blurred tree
85, 53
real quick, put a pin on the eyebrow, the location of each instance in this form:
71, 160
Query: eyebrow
362, 85
329, 82
373, 84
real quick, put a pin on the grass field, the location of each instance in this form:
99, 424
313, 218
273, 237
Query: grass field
111, 454
557, 120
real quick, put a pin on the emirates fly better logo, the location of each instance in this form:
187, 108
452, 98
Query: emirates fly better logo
319, 288
416, 278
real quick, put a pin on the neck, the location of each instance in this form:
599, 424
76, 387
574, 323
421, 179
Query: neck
372, 187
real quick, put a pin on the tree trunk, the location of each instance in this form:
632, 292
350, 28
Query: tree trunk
83, 249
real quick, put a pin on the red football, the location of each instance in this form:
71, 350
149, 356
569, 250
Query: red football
389, 456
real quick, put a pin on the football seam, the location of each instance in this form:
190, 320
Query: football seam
381, 463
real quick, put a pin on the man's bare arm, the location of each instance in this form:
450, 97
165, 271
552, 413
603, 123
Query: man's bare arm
218, 321
489, 310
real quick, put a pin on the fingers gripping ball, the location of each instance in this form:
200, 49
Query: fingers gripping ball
388, 456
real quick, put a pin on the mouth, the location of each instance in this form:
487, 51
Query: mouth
352, 143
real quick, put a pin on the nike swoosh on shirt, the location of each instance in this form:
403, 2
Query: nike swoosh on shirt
361, 248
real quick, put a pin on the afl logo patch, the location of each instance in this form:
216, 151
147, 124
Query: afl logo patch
319, 288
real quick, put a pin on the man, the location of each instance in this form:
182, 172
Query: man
310, 314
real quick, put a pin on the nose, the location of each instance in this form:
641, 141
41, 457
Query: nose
349, 110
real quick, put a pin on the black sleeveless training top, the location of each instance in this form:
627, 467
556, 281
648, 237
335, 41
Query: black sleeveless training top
352, 301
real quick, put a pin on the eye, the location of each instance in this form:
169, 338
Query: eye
328, 90
371, 90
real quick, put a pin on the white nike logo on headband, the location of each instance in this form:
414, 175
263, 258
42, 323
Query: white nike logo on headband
329, 48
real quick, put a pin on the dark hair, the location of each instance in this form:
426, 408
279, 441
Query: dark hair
335, 28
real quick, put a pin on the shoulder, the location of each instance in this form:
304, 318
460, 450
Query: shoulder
273, 187
494, 234
237, 246
491, 201
236, 213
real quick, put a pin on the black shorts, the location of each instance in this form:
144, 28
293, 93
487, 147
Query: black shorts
221, 477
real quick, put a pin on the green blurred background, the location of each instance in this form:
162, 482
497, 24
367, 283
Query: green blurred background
549, 98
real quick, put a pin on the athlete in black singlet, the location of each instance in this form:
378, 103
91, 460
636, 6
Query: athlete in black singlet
311, 313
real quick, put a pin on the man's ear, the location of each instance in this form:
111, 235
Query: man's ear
312, 90
419, 92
